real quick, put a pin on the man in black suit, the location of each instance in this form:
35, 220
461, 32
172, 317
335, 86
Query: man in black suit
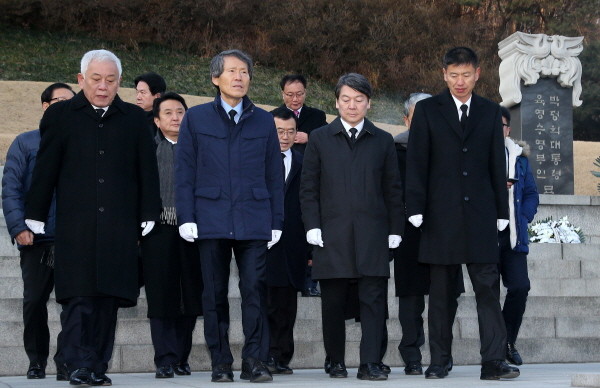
287, 260
293, 91
456, 192
352, 208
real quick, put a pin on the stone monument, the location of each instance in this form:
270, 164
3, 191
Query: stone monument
540, 82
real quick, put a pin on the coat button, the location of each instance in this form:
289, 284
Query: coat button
101, 152
466, 199
101, 180
100, 125
465, 173
100, 209
465, 149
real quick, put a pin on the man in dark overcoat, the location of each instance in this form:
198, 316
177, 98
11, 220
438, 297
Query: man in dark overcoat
287, 260
456, 192
229, 196
98, 156
352, 208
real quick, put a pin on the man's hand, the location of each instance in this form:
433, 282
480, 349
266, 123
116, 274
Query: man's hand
416, 220
24, 238
188, 231
301, 137
502, 224
275, 236
36, 227
394, 240
313, 237
147, 225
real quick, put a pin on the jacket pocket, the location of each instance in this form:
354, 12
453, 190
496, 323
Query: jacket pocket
261, 193
208, 192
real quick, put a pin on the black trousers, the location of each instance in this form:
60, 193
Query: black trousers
372, 293
250, 256
443, 304
410, 314
172, 339
89, 332
513, 268
38, 282
283, 304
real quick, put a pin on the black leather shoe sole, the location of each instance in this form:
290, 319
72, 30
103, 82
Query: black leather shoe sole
222, 378
256, 379
366, 376
494, 376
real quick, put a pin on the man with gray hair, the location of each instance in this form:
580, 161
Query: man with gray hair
97, 155
229, 196
351, 198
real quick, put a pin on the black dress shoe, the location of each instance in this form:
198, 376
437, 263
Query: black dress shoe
436, 372
222, 373
498, 369
182, 369
450, 364
338, 370
62, 373
82, 376
371, 371
164, 372
311, 292
413, 368
278, 368
327, 364
512, 355
255, 371
36, 371
385, 368
101, 379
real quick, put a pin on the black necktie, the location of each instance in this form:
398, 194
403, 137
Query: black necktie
353, 137
232, 115
463, 117
283, 165
100, 111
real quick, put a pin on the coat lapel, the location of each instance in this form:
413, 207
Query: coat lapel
448, 110
475, 114
294, 170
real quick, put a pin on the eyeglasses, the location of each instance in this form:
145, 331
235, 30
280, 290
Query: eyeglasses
505, 125
292, 95
56, 99
288, 133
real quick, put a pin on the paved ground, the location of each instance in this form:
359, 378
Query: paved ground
537, 375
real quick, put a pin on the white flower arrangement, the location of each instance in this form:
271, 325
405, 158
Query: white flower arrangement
550, 231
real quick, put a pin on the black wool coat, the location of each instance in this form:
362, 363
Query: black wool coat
457, 180
105, 175
287, 260
354, 195
309, 120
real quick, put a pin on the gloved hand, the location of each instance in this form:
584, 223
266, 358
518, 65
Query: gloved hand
502, 224
416, 220
275, 236
313, 237
188, 231
36, 227
147, 225
394, 240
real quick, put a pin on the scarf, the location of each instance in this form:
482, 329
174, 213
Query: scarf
165, 152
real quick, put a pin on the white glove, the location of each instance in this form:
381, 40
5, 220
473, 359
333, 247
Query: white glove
394, 240
36, 227
275, 236
502, 224
188, 231
313, 237
147, 225
416, 220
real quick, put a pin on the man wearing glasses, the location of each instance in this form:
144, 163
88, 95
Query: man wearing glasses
37, 252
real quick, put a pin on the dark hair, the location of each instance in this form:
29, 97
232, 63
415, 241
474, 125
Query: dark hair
155, 82
218, 62
355, 81
290, 78
47, 93
506, 114
460, 56
284, 113
164, 97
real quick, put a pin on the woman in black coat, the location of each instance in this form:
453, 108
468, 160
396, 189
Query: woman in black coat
171, 265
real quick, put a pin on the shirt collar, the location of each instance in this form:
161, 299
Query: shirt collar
299, 109
460, 103
97, 107
288, 153
237, 108
358, 126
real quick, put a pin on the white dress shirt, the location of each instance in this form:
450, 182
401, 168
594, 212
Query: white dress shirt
459, 104
287, 162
